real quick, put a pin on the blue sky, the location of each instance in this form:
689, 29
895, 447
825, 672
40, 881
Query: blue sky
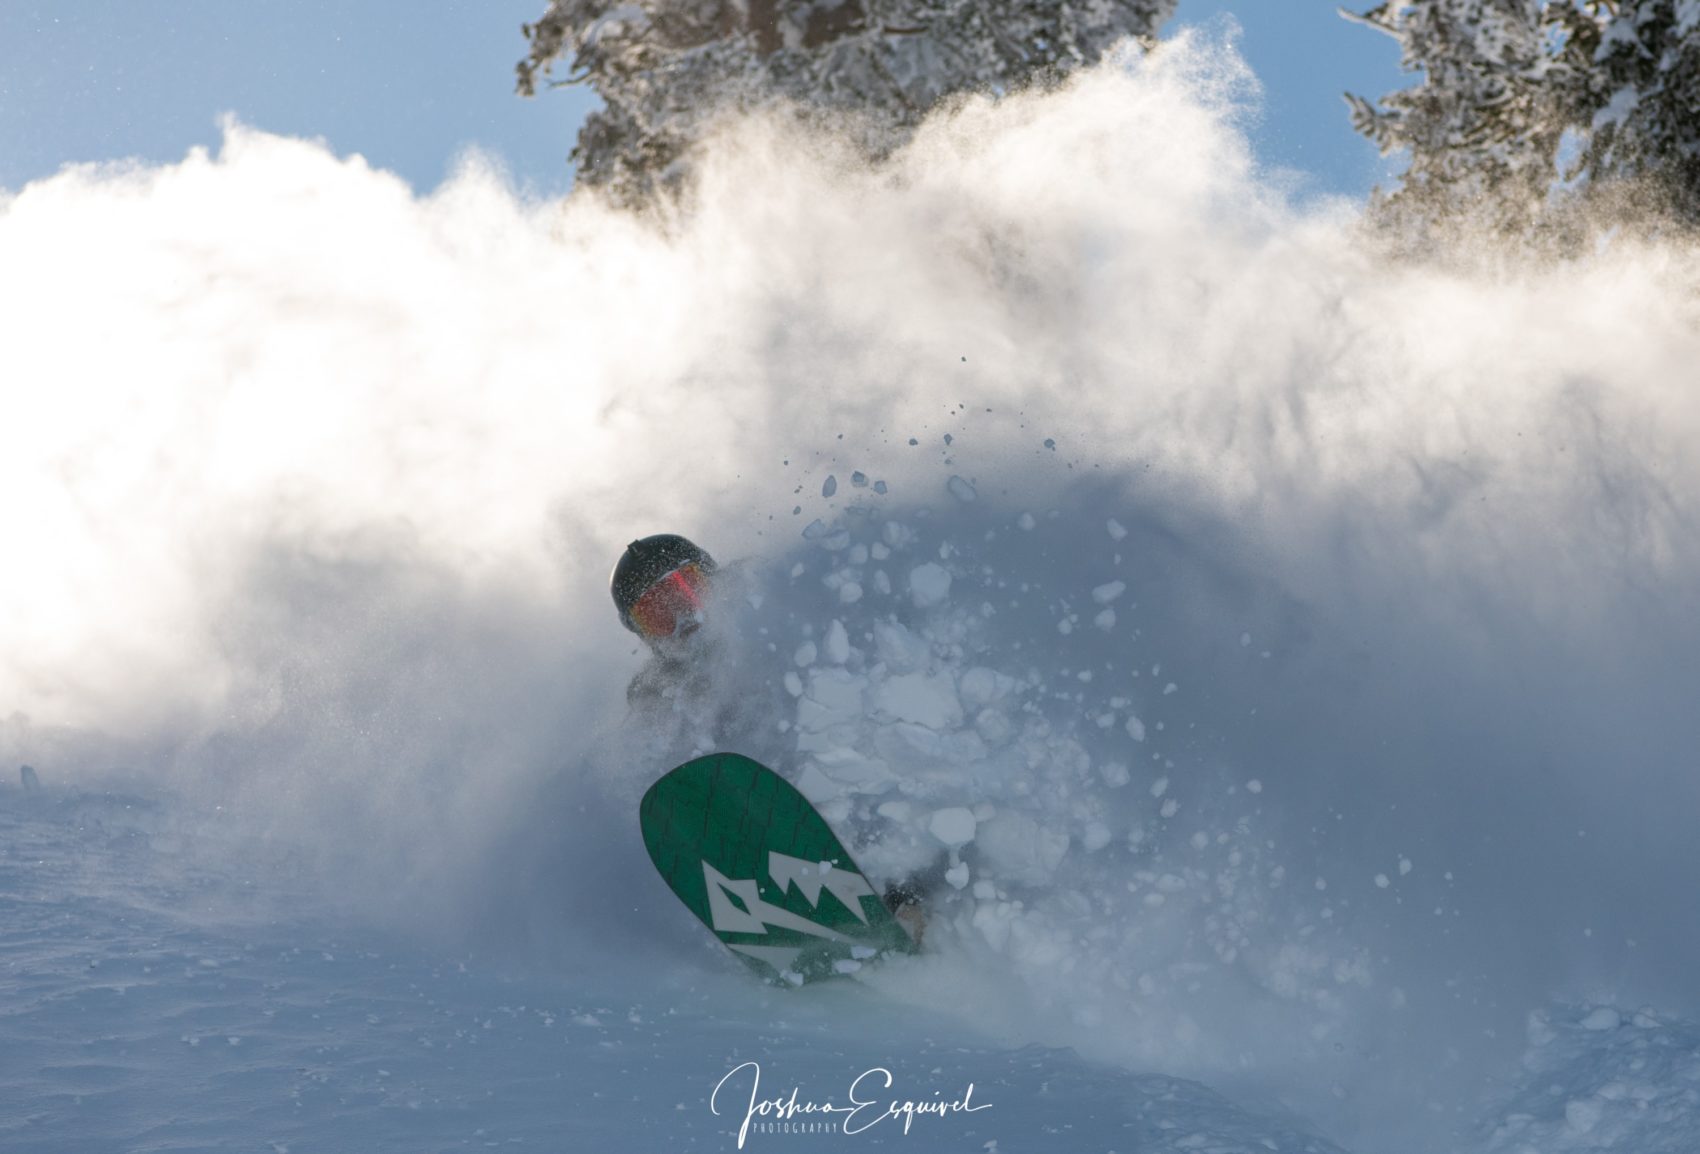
111, 79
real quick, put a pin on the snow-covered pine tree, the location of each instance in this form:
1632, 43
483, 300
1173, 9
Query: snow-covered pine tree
665, 69
1529, 109
1646, 122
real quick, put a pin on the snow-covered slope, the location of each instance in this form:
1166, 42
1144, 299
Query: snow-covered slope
1279, 661
153, 1003
1597, 1079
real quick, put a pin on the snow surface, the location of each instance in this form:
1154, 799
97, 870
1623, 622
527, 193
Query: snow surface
330, 843
155, 1001
154, 1004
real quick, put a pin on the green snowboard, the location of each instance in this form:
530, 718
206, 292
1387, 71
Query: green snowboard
750, 856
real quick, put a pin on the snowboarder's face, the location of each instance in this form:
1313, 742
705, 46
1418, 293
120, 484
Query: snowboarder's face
673, 607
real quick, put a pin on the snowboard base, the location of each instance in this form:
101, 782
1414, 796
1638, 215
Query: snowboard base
756, 863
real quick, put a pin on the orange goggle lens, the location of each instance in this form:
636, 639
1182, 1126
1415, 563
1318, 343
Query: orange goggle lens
673, 605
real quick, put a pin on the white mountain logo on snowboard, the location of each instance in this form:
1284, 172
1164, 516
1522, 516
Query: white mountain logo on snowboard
735, 905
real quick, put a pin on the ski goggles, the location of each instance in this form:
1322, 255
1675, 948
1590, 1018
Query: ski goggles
673, 606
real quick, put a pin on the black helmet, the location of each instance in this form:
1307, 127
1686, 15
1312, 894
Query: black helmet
659, 584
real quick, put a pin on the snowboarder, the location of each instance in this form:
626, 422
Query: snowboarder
664, 589
661, 587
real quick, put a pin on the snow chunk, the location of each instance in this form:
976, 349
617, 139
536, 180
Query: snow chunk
1025, 522
793, 684
1108, 592
898, 811
805, 655
834, 697
830, 487
1135, 728
1106, 620
961, 489
993, 921
1254, 786
899, 648
1115, 529
922, 749
929, 585
1017, 847
923, 698
846, 769
816, 786
957, 875
1582, 1114
1096, 836
993, 726
1114, 773
1604, 1018
837, 643
954, 827
981, 686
